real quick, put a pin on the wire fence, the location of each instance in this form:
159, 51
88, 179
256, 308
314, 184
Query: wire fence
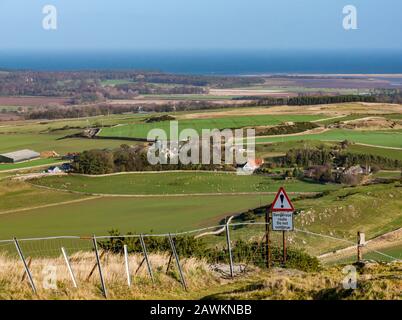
229, 249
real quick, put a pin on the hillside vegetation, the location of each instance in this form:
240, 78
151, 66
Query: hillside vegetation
204, 281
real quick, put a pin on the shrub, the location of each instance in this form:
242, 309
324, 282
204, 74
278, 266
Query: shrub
251, 252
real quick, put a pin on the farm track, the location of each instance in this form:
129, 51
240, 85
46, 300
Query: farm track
383, 241
146, 172
312, 131
332, 118
32, 167
48, 205
105, 195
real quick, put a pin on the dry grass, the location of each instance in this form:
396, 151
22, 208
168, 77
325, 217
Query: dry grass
374, 281
331, 110
166, 285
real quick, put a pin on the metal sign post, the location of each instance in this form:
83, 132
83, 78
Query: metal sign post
284, 253
267, 240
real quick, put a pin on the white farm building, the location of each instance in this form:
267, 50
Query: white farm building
19, 156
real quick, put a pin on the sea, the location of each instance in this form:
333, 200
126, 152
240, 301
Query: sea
211, 62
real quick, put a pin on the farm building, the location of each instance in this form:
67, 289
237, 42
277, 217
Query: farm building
18, 156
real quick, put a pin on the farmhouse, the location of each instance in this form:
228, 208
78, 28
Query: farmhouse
18, 156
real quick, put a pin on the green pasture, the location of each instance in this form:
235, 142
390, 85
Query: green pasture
177, 183
338, 216
188, 96
376, 138
140, 130
280, 148
387, 254
44, 142
383, 152
388, 174
115, 82
142, 215
18, 195
298, 89
27, 164
341, 119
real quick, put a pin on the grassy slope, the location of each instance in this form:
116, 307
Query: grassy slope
201, 281
39, 143
126, 214
18, 195
141, 130
374, 210
280, 148
380, 138
46, 135
27, 164
177, 183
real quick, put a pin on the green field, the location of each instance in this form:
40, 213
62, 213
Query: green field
126, 214
18, 195
48, 135
42, 142
114, 82
382, 152
177, 183
374, 209
280, 148
388, 174
376, 138
341, 213
27, 164
384, 255
140, 130
188, 97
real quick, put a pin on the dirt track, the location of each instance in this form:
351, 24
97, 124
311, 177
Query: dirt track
48, 205
384, 241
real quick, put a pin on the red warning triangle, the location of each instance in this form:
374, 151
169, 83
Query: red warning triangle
282, 202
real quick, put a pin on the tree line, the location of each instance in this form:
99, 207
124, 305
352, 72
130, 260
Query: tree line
128, 159
306, 157
308, 100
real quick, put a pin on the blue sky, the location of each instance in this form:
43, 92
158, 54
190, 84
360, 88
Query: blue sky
199, 24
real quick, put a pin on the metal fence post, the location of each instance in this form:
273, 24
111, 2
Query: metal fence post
127, 265
70, 270
144, 250
172, 245
17, 245
99, 266
229, 249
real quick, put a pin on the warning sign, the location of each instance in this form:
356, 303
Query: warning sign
282, 212
282, 202
282, 221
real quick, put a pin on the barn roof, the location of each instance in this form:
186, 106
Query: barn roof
21, 155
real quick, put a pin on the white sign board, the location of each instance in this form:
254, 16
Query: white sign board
282, 221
